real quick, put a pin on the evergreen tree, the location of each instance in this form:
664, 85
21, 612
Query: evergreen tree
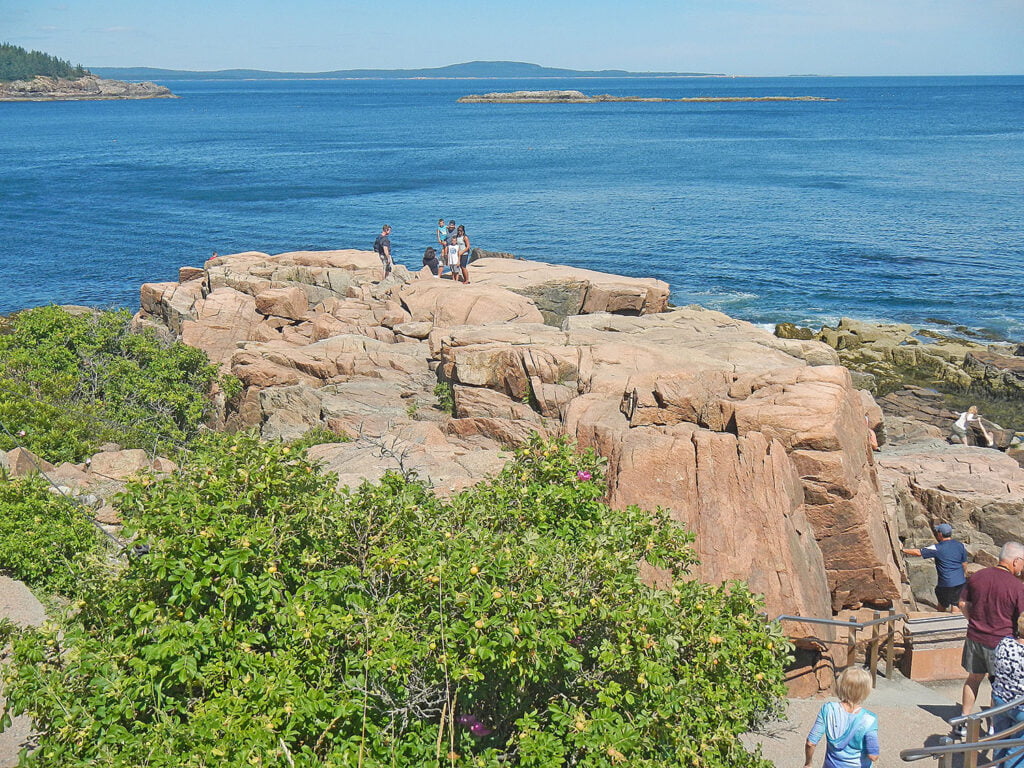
18, 64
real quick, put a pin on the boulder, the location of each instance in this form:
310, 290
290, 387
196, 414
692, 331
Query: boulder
120, 465
446, 303
559, 291
741, 497
21, 462
223, 319
420, 448
289, 303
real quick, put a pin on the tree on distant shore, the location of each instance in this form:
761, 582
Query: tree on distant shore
18, 64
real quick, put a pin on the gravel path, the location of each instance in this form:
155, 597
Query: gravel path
19, 605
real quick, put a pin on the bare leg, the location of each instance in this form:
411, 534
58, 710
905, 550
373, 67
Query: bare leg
970, 694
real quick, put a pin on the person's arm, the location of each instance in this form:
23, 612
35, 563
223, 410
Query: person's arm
817, 731
871, 745
914, 552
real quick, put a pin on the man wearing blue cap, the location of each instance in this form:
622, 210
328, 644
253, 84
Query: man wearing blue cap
950, 558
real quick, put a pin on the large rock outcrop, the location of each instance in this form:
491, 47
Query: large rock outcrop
757, 443
979, 491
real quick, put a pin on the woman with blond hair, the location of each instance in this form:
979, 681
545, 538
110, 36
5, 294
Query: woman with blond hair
850, 730
970, 420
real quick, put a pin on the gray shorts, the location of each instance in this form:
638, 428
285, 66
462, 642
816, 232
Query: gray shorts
976, 658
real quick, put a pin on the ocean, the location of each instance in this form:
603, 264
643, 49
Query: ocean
901, 201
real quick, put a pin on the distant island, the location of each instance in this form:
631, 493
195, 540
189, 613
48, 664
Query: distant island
471, 70
578, 97
37, 76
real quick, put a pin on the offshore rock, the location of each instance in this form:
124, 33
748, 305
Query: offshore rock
87, 88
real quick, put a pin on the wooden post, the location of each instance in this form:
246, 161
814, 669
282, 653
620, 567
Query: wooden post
851, 643
973, 734
873, 651
890, 647
946, 760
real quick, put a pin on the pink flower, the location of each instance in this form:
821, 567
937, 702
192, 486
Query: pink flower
583, 475
480, 730
476, 728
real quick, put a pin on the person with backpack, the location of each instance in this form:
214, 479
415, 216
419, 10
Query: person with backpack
850, 730
382, 247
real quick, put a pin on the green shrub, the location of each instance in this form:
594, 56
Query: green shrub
277, 621
318, 436
45, 539
445, 397
69, 383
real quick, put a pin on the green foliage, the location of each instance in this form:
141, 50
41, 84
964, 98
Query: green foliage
18, 64
45, 539
445, 396
277, 621
72, 382
318, 436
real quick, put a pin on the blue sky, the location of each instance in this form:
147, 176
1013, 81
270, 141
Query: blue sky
741, 37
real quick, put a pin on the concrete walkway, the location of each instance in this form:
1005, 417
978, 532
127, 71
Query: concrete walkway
910, 715
19, 605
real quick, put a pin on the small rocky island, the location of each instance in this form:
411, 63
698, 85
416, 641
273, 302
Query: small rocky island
578, 97
86, 88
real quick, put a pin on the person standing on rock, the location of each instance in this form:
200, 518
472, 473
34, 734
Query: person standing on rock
462, 241
992, 601
950, 558
970, 420
382, 245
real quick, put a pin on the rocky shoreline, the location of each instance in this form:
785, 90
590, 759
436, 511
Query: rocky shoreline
578, 97
87, 88
757, 442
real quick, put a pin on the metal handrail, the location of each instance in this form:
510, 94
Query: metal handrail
838, 623
886, 639
946, 749
988, 712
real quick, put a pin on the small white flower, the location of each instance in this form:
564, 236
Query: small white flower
21, 433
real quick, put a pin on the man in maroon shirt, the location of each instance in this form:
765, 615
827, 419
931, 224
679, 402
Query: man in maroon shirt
992, 600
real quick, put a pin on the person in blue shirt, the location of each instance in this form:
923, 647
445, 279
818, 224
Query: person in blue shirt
950, 558
850, 730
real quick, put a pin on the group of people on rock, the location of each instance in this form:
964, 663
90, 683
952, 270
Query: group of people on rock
454, 246
452, 252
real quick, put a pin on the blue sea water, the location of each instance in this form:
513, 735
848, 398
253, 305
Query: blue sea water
900, 201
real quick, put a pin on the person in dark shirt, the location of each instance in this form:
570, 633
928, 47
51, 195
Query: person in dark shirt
382, 245
950, 558
992, 601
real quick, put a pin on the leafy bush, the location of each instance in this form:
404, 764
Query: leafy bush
45, 539
72, 382
18, 64
277, 621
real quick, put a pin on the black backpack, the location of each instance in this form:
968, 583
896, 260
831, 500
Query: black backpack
376, 245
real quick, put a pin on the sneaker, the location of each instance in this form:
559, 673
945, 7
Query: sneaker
959, 732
